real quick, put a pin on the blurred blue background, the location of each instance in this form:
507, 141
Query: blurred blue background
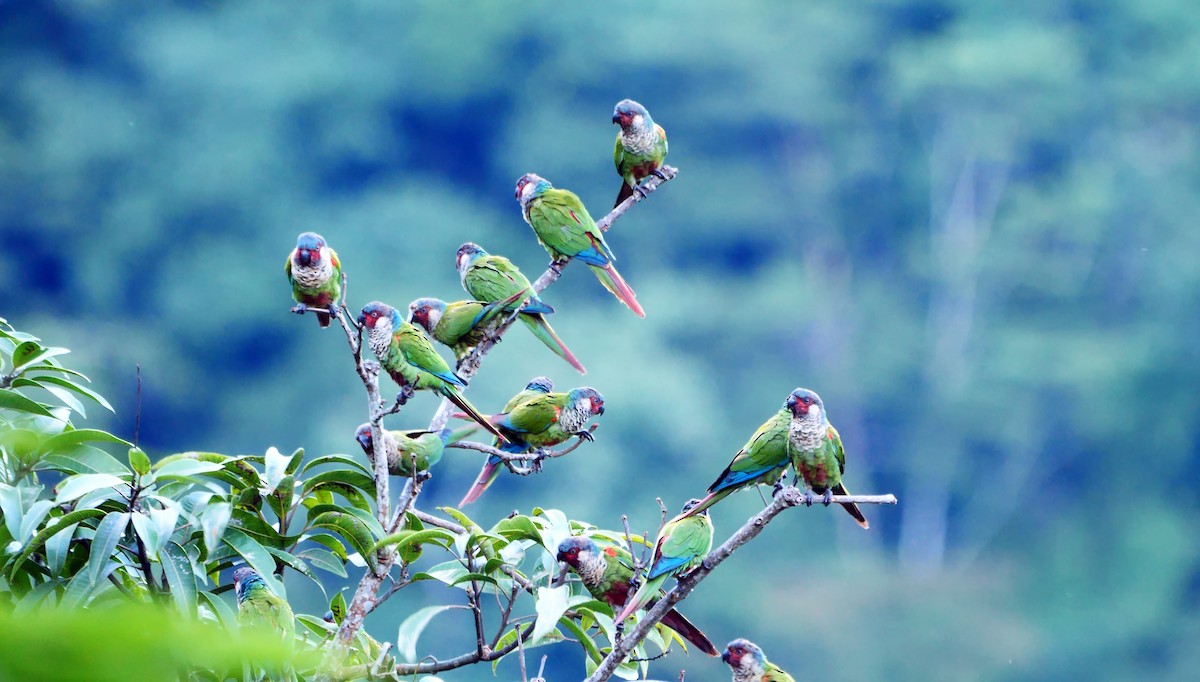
969, 225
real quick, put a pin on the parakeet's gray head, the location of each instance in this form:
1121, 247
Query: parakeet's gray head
311, 250
743, 656
540, 384
426, 312
244, 578
692, 504
363, 436
588, 400
529, 186
805, 404
576, 550
629, 113
467, 254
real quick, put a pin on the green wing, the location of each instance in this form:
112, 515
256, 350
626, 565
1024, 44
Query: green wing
418, 351
619, 156
495, 278
774, 673
536, 414
287, 270
560, 220
835, 440
459, 320
683, 543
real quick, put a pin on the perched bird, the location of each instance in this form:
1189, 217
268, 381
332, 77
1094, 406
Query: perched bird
565, 230
410, 360
402, 446
495, 279
259, 607
641, 146
606, 574
682, 544
816, 450
750, 665
459, 325
541, 421
763, 459
315, 273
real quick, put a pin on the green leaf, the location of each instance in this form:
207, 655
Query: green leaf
589, 647
474, 577
225, 613
256, 556
406, 538
351, 529
58, 546
11, 400
338, 606
274, 469
73, 437
335, 547
410, 630
348, 477
318, 627
186, 468
79, 485
138, 461
462, 518
10, 504
72, 386
294, 461
23, 360
324, 559
519, 528
60, 524
148, 532
340, 460
100, 560
552, 603
177, 569
85, 459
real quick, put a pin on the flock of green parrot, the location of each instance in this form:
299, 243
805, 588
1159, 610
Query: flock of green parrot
798, 436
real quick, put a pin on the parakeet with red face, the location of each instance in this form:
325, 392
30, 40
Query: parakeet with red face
408, 356
641, 146
315, 273
749, 664
458, 325
565, 230
816, 450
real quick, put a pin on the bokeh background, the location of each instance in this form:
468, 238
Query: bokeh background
970, 225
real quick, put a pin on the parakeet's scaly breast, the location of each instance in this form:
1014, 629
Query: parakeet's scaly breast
313, 276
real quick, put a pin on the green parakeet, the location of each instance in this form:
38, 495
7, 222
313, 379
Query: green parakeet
315, 273
408, 356
763, 459
565, 230
641, 146
494, 278
458, 325
606, 572
542, 421
259, 607
682, 544
402, 446
749, 664
816, 450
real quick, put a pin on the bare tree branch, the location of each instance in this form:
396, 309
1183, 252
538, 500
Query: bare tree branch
788, 497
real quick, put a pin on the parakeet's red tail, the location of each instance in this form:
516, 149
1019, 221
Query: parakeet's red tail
457, 398
489, 472
324, 319
708, 501
691, 633
625, 193
611, 279
850, 507
545, 333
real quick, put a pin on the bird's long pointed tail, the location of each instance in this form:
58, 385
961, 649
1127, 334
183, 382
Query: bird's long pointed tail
611, 279
643, 596
850, 507
690, 632
489, 472
323, 319
625, 193
463, 404
545, 333
706, 502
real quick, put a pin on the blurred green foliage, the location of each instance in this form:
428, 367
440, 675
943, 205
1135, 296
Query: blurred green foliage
968, 225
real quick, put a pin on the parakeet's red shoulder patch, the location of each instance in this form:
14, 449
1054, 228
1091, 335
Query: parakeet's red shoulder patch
611, 551
557, 412
334, 259
576, 218
830, 433
661, 132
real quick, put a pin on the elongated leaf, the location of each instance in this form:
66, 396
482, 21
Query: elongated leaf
337, 606
350, 477
225, 613
138, 461
552, 603
148, 532
342, 461
412, 627
52, 528
10, 504
85, 459
351, 529
186, 468
324, 560
164, 522
28, 360
72, 386
100, 560
178, 570
406, 538
23, 352
11, 400
73, 437
58, 546
336, 548
64, 396
256, 556
296, 564
589, 647
274, 469
82, 484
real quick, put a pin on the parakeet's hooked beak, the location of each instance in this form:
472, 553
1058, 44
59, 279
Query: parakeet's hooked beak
362, 319
725, 656
364, 440
616, 117
305, 257
561, 578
